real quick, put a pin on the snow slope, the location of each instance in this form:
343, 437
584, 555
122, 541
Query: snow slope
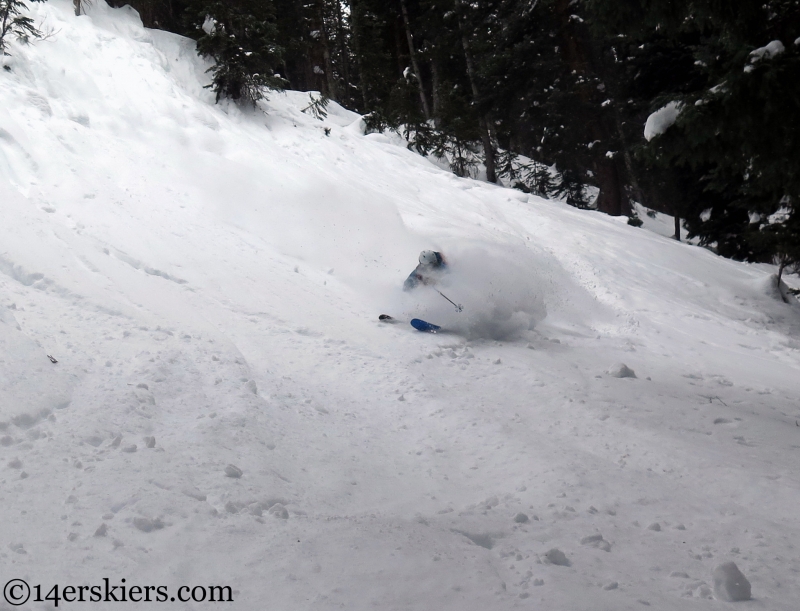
211, 277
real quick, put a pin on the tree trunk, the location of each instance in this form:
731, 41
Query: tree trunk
781, 266
677, 216
355, 23
626, 155
319, 65
488, 151
436, 83
414, 63
333, 92
398, 43
343, 57
612, 198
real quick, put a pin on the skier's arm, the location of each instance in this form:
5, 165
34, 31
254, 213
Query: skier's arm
412, 281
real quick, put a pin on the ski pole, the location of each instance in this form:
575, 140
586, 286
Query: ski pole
459, 307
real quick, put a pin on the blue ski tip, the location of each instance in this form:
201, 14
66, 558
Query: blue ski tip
421, 325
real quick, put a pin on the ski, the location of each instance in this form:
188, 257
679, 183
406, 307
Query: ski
417, 323
425, 326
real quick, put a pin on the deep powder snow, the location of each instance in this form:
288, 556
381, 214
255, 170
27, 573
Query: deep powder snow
226, 408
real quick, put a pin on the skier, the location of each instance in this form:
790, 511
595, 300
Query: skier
431, 266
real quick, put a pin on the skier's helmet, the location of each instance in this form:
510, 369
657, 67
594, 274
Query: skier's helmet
428, 257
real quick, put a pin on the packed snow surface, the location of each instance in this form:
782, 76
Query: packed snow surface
227, 410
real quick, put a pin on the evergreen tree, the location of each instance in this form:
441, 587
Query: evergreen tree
293, 37
240, 35
162, 14
736, 142
658, 68
782, 235
547, 96
454, 130
14, 22
376, 70
372, 60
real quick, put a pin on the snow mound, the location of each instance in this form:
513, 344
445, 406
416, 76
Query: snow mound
621, 370
557, 557
730, 584
661, 120
773, 49
596, 541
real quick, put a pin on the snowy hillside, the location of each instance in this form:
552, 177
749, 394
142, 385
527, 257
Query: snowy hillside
227, 410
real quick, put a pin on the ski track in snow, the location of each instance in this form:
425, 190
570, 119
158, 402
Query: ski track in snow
209, 280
